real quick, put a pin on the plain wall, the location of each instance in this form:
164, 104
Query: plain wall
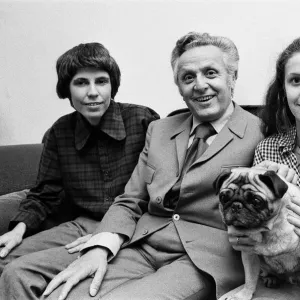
140, 35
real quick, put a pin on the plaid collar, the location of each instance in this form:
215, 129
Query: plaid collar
287, 140
111, 123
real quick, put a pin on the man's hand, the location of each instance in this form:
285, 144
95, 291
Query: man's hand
78, 244
12, 239
283, 170
92, 263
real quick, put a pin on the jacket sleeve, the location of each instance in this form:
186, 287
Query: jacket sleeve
43, 199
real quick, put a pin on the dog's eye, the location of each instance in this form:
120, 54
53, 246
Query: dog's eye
225, 196
257, 202
254, 200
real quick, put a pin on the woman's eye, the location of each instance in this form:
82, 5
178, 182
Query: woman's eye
295, 80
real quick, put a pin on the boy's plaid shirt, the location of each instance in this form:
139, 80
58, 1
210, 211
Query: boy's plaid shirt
91, 165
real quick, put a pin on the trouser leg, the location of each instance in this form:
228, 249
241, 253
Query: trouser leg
54, 237
128, 264
175, 281
135, 275
27, 275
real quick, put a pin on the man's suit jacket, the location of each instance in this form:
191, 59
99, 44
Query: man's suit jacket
140, 210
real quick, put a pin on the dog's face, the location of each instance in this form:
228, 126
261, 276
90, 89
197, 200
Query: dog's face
249, 196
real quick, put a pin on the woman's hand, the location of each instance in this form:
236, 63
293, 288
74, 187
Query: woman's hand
240, 240
12, 239
78, 244
92, 263
283, 170
295, 220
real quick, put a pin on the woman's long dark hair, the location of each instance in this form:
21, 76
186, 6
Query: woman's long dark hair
276, 114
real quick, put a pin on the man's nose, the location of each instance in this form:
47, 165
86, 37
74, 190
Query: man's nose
200, 83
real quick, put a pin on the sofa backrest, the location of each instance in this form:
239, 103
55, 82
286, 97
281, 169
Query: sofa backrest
19, 167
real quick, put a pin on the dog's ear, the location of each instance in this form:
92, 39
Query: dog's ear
220, 179
274, 183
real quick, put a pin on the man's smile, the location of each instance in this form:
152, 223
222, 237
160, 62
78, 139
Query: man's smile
203, 98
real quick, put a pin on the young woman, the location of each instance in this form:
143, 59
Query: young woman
281, 148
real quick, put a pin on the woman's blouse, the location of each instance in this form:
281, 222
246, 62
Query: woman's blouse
279, 148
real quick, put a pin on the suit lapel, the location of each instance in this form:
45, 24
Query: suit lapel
181, 136
235, 126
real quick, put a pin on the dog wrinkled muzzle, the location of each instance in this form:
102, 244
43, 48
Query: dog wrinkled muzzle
240, 212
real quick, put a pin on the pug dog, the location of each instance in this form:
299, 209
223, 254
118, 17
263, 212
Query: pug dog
254, 200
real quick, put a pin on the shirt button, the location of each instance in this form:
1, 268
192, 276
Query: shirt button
176, 217
158, 199
145, 231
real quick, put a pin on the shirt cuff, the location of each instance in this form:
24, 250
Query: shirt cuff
109, 240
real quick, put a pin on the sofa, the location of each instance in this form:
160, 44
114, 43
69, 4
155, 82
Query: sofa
18, 172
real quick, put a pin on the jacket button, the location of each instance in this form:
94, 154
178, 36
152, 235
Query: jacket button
145, 231
176, 217
158, 199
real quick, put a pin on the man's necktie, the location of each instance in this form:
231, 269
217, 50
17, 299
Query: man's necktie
202, 133
197, 148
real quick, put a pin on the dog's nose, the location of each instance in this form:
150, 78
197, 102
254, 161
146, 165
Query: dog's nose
236, 206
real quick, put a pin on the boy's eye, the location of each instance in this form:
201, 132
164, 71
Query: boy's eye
102, 81
80, 82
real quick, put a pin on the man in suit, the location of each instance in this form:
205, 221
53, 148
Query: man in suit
164, 237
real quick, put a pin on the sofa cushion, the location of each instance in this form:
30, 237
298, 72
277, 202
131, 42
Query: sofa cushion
285, 292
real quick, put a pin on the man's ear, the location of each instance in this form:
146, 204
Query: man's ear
274, 183
232, 83
220, 179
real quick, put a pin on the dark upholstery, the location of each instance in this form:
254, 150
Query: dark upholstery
19, 166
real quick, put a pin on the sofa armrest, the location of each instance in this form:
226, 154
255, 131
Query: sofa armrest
9, 205
19, 167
